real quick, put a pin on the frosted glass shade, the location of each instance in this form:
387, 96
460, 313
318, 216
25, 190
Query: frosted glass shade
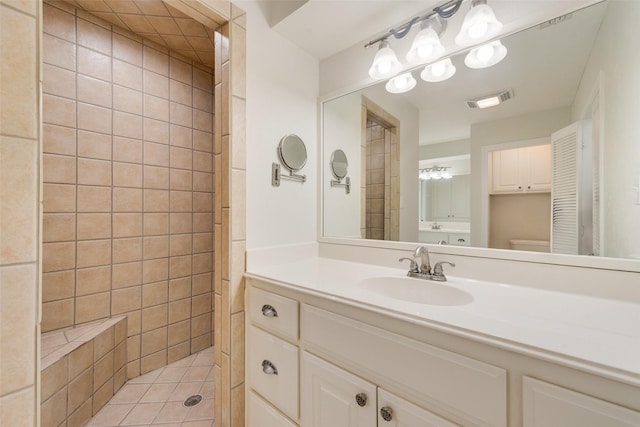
426, 47
438, 72
400, 84
479, 24
486, 55
385, 64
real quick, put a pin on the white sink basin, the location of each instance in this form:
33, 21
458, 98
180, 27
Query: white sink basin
416, 290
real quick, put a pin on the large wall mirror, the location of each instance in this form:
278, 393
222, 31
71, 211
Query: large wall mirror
554, 168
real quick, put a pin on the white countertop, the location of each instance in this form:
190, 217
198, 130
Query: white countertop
598, 335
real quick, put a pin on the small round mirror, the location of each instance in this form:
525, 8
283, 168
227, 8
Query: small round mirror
339, 164
292, 152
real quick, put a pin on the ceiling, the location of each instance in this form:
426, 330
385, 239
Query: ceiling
159, 22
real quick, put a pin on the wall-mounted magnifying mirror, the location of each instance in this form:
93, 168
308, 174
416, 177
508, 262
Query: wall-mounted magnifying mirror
339, 168
292, 153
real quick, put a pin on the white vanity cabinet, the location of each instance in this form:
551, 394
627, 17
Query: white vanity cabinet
450, 199
334, 397
548, 405
519, 170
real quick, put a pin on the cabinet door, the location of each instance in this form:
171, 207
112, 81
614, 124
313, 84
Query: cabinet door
547, 405
506, 171
440, 200
394, 411
332, 397
539, 177
460, 198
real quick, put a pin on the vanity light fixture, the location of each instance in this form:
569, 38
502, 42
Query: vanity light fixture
479, 24
438, 72
435, 173
486, 55
491, 100
385, 64
426, 45
402, 83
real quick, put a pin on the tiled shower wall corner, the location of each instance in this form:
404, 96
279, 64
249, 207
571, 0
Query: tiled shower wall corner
128, 187
376, 135
19, 212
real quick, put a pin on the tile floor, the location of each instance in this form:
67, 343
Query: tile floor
156, 398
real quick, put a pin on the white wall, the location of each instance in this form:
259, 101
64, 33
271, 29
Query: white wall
615, 53
282, 91
342, 129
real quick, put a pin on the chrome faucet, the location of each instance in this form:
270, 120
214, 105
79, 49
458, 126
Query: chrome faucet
420, 266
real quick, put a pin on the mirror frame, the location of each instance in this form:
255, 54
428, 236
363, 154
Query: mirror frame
582, 261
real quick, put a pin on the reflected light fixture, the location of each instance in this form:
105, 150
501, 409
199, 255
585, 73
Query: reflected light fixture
490, 100
402, 83
479, 24
426, 45
385, 64
434, 172
486, 55
439, 71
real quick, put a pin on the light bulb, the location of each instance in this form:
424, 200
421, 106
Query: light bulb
384, 67
425, 52
438, 69
485, 52
402, 83
385, 64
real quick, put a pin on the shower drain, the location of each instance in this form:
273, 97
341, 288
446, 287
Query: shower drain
192, 400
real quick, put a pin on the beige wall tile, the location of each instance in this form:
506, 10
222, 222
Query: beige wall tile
155, 61
94, 172
102, 396
181, 201
127, 100
103, 343
93, 118
181, 136
202, 222
181, 158
58, 81
154, 341
181, 179
127, 175
156, 84
127, 250
202, 202
125, 300
127, 224
59, 23
54, 378
179, 351
127, 200
153, 361
202, 283
156, 223
179, 332
156, 247
201, 342
181, 222
156, 200
203, 181
58, 52
156, 154
52, 412
127, 150
181, 244
58, 256
179, 288
156, 107
82, 415
155, 270
81, 359
155, 293
58, 198
103, 371
94, 91
126, 275
92, 253
18, 327
180, 266
93, 36
156, 177
94, 199
59, 227
59, 140
201, 324
57, 314
127, 125
127, 50
17, 79
181, 92
154, 317
93, 226
59, 169
237, 349
93, 280
127, 75
93, 307
58, 285
79, 390
119, 356
179, 310
156, 130
94, 64
18, 220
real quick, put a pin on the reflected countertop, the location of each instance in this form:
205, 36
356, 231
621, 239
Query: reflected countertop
599, 335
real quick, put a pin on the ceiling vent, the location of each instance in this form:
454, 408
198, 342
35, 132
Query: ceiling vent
490, 100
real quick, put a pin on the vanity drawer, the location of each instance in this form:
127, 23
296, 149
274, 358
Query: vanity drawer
432, 377
262, 414
273, 312
272, 370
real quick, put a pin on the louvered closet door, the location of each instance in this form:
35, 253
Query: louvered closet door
564, 190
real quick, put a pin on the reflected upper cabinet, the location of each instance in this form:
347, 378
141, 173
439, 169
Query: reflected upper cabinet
520, 170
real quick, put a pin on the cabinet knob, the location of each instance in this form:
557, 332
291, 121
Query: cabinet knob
529, 187
386, 413
361, 399
519, 187
269, 368
269, 311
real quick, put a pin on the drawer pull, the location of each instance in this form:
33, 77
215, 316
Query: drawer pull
269, 311
386, 413
361, 399
269, 368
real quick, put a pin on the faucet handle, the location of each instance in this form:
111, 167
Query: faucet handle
413, 266
438, 273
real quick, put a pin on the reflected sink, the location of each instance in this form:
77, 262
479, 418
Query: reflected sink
416, 290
